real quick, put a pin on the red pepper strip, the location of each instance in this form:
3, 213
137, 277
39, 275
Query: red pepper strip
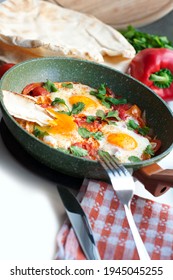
154, 68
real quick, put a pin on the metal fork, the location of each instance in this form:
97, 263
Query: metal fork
123, 183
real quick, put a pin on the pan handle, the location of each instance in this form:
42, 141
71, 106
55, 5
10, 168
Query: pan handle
155, 179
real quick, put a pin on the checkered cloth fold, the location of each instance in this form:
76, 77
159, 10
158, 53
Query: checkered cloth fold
111, 229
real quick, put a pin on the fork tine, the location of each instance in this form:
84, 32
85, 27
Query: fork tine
106, 160
106, 165
118, 165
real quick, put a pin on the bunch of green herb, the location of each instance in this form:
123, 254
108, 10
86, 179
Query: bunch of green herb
141, 40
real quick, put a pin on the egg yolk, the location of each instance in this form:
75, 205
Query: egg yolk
122, 140
62, 124
86, 100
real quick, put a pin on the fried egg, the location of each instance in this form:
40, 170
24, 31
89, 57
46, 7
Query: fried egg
78, 93
62, 131
123, 143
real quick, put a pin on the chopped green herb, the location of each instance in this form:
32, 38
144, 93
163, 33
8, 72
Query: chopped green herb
49, 86
38, 133
67, 85
132, 125
143, 130
134, 159
63, 150
106, 100
113, 114
58, 100
97, 135
100, 114
90, 119
149, 150
110, 114
102, 89
85, 133
115, 101
79, 152
103, 153
77, 108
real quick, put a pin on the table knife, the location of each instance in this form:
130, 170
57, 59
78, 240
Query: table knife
80, 223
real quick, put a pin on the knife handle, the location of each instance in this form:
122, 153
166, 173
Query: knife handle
155, 179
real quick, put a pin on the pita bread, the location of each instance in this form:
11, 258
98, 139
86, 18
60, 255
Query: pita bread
33, 28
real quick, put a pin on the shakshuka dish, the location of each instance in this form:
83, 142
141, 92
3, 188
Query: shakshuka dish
79, 120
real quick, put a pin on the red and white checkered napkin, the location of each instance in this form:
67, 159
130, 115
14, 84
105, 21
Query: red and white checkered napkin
111, 230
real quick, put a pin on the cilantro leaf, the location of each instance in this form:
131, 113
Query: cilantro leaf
143, 130
90, 119
38, 133
58, 100
77, 151
97, 135
113, 114
77, 108
85, 133
63, 150
102, 89
116, 101
100, 114
149, 150
49, 86
67, 85
132, 125
134, 159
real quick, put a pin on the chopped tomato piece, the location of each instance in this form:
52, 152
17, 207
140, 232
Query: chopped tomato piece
122, 110
92, 126
91, 147
156, 144
37, 91
134, 111
30, 87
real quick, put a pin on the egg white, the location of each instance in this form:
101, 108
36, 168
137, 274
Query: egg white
77, 90
120, 153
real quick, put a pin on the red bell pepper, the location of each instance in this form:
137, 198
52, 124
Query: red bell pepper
154, 68
4, 67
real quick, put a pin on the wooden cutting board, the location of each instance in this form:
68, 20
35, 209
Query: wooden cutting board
120, 13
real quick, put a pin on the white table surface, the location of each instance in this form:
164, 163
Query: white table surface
31, 212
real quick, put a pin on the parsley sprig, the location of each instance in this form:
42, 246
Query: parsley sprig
77, 151
107, 101
76, 108
50, 86
149, 150
132, 125
39, 133
85, 133
140, 40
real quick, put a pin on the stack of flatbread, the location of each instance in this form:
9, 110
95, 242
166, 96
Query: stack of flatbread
35, 28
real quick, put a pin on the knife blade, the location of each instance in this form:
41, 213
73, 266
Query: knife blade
80, 223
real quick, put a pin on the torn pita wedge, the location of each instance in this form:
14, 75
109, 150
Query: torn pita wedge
33, 28
25, 108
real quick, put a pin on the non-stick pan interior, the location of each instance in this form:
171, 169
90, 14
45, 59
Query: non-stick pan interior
158, 115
